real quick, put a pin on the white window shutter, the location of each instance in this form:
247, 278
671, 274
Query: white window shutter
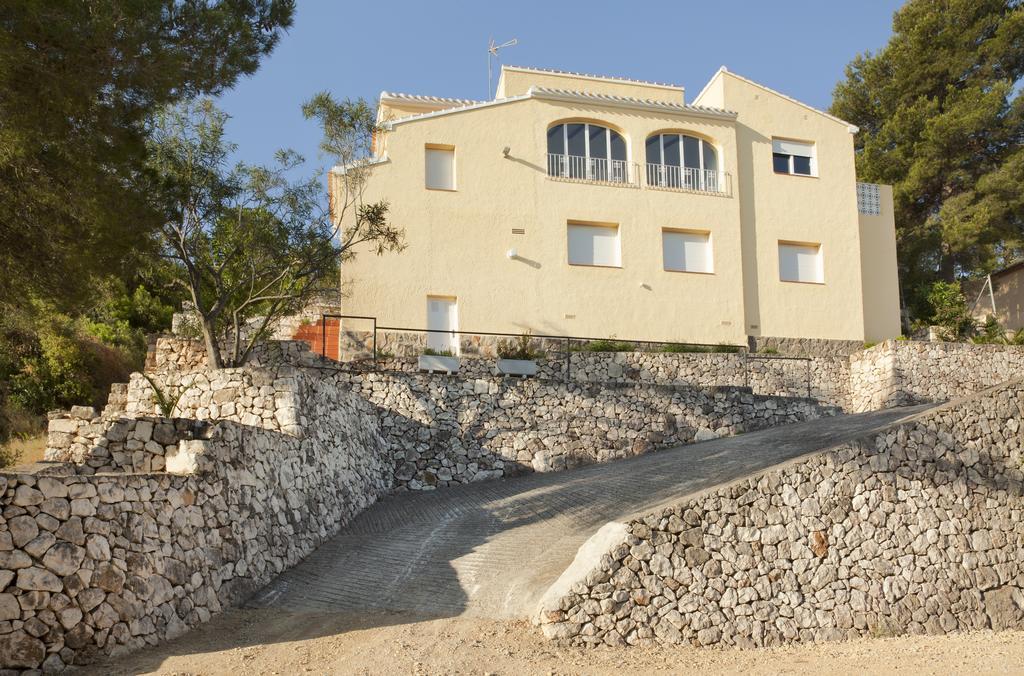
801, 263
594, 245
440, 168
687, 251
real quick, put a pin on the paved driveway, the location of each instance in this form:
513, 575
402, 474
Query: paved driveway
492, 549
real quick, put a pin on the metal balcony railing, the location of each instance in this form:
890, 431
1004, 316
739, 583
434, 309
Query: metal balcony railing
688, 179
591, 169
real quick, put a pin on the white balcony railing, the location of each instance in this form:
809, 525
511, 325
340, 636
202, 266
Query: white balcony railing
687, 178
591, 169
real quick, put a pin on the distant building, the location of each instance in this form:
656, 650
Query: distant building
1000, 295
597, 206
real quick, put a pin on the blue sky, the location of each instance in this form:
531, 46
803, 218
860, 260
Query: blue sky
438, 47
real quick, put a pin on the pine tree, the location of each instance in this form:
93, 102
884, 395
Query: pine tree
942, 119
79, 82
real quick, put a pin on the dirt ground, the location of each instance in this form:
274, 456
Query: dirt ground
268, 642
25, 451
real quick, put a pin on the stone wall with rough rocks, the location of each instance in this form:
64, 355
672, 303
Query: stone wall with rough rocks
446, 430
805, 347
106, 553
915, 529
901, 373
358, 343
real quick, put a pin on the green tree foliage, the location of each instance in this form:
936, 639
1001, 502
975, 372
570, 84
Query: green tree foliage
949, 310
79, 80
49, 359
941, 119
250, 244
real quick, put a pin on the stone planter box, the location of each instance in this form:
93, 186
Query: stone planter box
433, 362
517, 367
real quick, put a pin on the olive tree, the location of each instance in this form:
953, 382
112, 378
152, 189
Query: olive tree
252, 244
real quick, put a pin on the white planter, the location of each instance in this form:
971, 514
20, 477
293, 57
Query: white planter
517, 367
433, 362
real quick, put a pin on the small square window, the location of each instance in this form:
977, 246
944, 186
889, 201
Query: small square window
687, 251
800, 262
594, 244
440, 167
794, 157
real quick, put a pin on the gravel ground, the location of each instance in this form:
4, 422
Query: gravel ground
272, 642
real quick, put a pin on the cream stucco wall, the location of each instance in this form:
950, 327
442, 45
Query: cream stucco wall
879, 272
515, 81
784, 208
457, 240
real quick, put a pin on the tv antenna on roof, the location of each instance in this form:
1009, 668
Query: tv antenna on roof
492, 50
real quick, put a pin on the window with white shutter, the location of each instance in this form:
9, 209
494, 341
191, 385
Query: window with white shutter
794, 157
440, 167
687, 251
592, 244
801, 263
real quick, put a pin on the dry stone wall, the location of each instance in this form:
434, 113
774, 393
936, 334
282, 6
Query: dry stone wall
97, 557
914, 530
825, 379
900, 373
446, 430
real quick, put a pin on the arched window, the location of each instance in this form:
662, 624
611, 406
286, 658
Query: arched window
587, 152
681, 161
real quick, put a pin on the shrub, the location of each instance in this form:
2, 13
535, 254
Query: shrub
606, 345
721, 348
431, 352
769, 350
990, 333
520, 348
949, 310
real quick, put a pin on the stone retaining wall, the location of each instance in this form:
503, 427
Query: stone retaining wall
805, 347
900, 373
96, 558
446, 430
356, 343
914, 530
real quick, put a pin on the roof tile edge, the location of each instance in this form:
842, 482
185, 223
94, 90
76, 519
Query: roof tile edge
852, 128
607, 78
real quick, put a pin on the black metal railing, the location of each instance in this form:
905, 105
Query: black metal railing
568, 342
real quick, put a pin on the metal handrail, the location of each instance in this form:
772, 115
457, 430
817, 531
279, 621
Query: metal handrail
740, 349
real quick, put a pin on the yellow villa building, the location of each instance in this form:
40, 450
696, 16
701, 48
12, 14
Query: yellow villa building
603, 207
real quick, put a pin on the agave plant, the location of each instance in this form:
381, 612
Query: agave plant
165, 401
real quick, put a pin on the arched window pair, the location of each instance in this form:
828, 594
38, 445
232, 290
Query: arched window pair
681, 161
588, 152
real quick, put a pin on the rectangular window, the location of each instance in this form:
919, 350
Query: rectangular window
801, 262
687, 251
794, 157
594, 244
440, 167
